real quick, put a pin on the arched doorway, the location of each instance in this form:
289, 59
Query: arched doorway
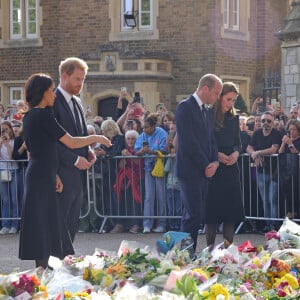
107, 107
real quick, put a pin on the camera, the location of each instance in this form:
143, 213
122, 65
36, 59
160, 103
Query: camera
145, 144
137, 97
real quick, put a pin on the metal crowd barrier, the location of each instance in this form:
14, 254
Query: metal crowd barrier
111, 194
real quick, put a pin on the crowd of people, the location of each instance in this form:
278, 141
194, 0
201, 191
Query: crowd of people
200, 144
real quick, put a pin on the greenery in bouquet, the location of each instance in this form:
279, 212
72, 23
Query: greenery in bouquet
188, 287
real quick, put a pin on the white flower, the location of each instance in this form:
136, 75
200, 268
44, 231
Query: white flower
247, 296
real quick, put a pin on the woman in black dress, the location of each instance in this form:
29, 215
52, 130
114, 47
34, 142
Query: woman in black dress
224, 200
43, 231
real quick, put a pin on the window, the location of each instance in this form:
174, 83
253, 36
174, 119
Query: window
141, 18
15, 94
226, 14
142, 11
236, 15
145, 14
231, 14
23, 19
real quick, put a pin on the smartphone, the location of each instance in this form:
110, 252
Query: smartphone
130, 124
250, 126
137, 97
3, 131
160, 106
124, 89
145, 144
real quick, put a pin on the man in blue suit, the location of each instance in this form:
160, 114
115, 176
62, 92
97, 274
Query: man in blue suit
197, 153
69, 113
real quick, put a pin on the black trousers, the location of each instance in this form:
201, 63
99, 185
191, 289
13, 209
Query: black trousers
193, 192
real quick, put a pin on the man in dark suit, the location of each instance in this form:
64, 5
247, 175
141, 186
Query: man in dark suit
197, 153
69, 113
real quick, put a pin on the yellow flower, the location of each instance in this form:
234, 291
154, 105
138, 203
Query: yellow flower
256, 261
219, 289
82, 295
86, 274
266, 258
290, 279
201, 272
207, 295
108, 280
67, 294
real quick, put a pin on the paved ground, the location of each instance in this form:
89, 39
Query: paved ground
86, 243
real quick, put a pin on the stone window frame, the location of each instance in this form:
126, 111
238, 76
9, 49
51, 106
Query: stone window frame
25, 38
235, 17
122, 33
18, 90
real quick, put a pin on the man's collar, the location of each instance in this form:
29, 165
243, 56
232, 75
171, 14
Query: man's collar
195, 95
66, 95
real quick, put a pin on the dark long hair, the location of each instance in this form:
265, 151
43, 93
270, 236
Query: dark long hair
11, 133
219, 115
35, 87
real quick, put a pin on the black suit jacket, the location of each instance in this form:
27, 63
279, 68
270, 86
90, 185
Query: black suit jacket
67, 157
197, 146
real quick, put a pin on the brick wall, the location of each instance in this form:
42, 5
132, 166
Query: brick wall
189, 34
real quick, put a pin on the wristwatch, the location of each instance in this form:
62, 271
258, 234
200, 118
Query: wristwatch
291, 146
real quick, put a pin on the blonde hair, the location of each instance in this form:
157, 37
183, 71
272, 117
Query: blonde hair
111, 128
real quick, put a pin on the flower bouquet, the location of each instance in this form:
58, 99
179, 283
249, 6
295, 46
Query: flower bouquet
137, 271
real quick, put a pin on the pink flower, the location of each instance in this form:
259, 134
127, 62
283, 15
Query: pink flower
281, 293
272, 235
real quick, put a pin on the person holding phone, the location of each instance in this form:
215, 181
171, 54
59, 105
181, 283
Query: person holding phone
122, 102
133, 124
9, 187
134, 110
151, 140
289, 165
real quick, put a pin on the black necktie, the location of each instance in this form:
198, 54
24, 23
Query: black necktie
204, 111
76, 115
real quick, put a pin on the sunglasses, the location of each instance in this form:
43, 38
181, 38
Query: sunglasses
266, 120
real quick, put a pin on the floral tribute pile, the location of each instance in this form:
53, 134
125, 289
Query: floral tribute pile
138, 272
